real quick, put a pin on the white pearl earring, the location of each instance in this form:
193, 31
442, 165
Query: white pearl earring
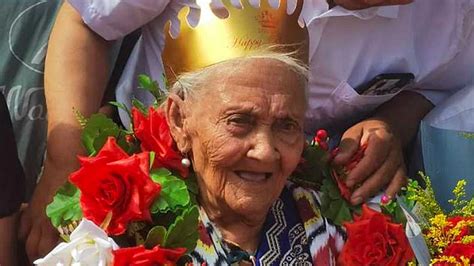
186, 162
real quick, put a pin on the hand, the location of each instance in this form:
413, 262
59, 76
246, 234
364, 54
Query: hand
36, 230
361, 4
382, 164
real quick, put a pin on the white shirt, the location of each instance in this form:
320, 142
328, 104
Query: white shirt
433, 39
455, 113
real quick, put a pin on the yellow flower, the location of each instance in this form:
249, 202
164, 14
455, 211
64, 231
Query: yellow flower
451, 260
441, 233
468, 239
436, 236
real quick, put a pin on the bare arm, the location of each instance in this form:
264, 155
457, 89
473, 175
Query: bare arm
75, 77
404, 113
8, 245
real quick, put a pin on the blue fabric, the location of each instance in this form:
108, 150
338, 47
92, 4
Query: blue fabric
280, 221
448, 156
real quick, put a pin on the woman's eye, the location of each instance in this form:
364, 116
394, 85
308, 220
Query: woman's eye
240, 120
239, 124
287, 125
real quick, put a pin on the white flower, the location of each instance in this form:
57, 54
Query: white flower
89, 245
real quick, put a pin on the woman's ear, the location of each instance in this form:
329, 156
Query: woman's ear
176, 116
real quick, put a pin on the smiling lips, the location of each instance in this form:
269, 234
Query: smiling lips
253, 176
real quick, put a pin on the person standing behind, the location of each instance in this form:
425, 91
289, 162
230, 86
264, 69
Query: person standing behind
12, 187
24, 34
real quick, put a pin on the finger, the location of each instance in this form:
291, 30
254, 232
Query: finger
378, 180
349, 145
374, 156
25, 225
32, 243
397, 183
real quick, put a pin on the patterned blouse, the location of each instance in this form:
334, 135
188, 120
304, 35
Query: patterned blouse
294, 233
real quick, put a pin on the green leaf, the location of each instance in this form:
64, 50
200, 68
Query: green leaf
145, 82
121, 106
156, 236
158, 174
140, 106
174, 192
339, 212
313, 170
333, 193
152, 158
333, 206
183, 232
65, 206
80, 117
98, 128
192, 185
150, 85
394, 210
96, 132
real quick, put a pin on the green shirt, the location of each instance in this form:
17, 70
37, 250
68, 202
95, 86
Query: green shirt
24, 32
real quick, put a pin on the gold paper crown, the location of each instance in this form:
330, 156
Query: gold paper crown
235, 33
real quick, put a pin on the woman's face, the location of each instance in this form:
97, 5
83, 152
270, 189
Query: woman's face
246, 132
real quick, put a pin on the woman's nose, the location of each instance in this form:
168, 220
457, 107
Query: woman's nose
263, 148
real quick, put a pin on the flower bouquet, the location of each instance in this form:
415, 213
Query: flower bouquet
132, 202
412, 229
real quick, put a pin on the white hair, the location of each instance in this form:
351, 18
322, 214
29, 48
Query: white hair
188, 84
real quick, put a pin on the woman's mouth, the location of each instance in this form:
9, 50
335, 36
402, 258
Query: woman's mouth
253, 176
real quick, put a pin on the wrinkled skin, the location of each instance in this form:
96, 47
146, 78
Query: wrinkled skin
246, 125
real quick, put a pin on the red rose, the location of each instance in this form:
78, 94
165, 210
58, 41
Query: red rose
114, 182
147, 257
154, 134
453, 222
374, 240
459, 249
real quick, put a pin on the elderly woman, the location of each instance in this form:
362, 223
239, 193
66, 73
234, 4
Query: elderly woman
243, 148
